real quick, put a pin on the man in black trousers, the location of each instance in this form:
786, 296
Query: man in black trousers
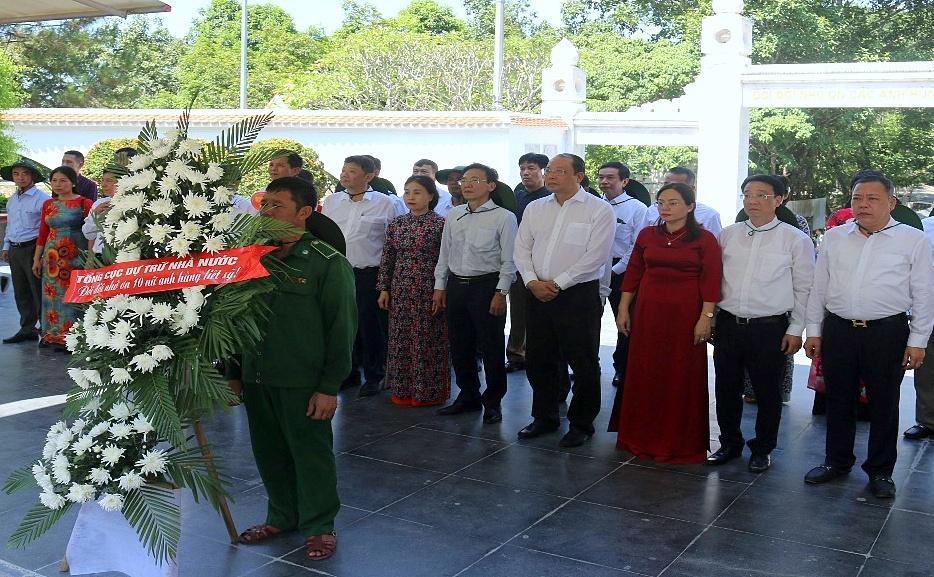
562, 251
768, 267
870, 271
472, 278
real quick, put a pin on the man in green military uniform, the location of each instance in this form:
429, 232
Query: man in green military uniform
290, 381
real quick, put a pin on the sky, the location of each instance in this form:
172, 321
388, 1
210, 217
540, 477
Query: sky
327, 14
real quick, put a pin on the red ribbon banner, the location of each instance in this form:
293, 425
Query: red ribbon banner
166, 274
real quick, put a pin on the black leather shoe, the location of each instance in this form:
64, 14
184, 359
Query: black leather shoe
368, 389
574, 438
458, 407
759, 463
537, 428
882, 486
513, 366
823, 473
21, 338
724, 455
617, 379
918, 432
491, 415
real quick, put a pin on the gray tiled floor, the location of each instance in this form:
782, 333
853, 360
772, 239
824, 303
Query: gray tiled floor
430, 496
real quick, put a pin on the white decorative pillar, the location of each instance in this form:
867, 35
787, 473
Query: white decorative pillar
564, 89
723, 153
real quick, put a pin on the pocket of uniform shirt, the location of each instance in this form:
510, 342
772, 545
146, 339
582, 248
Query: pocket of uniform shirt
373, 225
577, 233
482, 239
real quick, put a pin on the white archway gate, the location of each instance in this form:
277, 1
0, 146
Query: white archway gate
713, 114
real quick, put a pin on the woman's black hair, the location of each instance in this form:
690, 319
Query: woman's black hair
428, 184
688, 195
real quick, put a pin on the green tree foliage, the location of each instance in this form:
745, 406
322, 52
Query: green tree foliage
10, 97
210, 67
93, 63
427, 16
102, 153
648, 164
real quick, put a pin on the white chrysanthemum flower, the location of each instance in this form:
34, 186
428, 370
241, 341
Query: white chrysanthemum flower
119, 302
77, 375
158, 233
142, 425
140, 305
58, 428
120, 376
72, 339
214, 244
222, 221
144, 363
99, 476
78, 425
174, 168
171, 135
195, 177
92, 376
113, 216
129, 201
120, 430
99, 429
109, 313
83, 443
90, 315
123, 327
126, 229
128, 255
111, 502
119, 343
196, 205
38, 469
214, 171
98, 337
51, 500
161, 207
111, 454
130, 481
184, 321
92, 406
161, 151
222, 195
139, 162
161, 312
145, 177
48, 450
190, 229
152, 462
168, 186
180, 246
194, 296
61, 469
121, 411
80, 493
188, 147
161, 353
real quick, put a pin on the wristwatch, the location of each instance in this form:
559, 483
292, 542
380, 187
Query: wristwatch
503, 292
708, 315
556, 285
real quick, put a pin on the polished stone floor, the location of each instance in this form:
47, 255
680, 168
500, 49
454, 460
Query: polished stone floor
434, 496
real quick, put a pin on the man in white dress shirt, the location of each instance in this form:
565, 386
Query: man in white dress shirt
924, 375
870, 271
612, 178
768, 267
429, 168
705, 215
472, 278
363, 215
562, 251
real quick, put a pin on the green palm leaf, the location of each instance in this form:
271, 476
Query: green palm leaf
147, 135
152, 511
18, 479
37, 521
154, 399
192, 469
231, 145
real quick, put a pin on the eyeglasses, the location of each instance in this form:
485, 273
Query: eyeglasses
463, 181
558, 171
670, 203
745, 196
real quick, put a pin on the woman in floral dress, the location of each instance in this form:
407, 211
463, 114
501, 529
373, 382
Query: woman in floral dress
57, 253
417, 368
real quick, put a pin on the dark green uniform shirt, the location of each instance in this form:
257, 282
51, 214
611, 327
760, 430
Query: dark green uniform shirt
311, 329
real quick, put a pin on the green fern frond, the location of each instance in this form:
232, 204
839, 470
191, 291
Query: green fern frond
18, 480
37, 521
153, 513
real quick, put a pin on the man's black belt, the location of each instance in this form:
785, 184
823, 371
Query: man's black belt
474, 279
366, 268
862, 324
19, 244
770, 320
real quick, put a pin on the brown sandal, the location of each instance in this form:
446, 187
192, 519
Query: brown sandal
320, 547
259, 533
